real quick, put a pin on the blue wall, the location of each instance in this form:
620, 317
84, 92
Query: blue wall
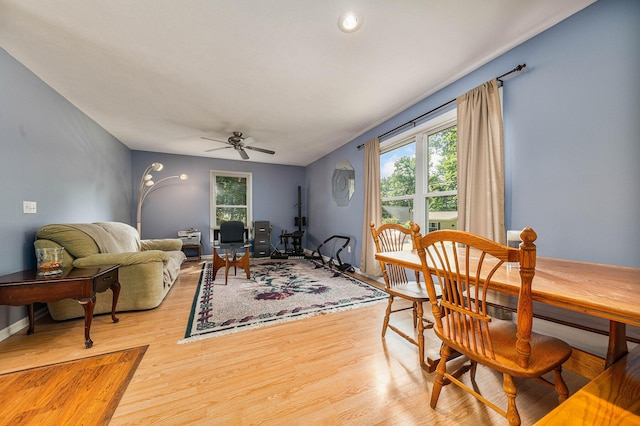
54, 155
572, 146
572, 140
176, 205
325, 218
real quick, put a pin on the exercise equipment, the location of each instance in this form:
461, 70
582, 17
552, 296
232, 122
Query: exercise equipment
343, 267
295, 237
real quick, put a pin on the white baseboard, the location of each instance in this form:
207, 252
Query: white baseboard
19, 325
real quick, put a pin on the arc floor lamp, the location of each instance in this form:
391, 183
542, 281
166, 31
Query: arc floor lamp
147, 185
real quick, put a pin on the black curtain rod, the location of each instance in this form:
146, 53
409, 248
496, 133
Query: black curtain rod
516, 69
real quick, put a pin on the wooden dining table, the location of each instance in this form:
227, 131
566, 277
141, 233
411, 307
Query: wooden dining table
605, 291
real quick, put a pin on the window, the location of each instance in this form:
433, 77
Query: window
230, 198
418, 175
398, 182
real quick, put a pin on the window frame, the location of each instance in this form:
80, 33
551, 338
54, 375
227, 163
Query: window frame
419, 134
213, 174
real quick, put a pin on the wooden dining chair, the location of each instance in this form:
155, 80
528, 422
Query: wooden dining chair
463, 266
392, 237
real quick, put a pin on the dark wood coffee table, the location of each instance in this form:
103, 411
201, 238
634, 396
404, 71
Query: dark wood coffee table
81, 284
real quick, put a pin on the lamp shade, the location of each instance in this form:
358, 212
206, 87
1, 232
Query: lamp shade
147, 184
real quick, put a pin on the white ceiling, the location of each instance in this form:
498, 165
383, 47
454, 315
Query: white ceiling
159, 74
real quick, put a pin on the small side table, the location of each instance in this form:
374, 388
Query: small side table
82, 284
193, 246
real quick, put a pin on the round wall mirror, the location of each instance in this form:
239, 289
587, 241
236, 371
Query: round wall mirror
343, 183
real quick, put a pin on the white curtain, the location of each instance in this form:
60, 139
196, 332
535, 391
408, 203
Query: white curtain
372, 207
481, 162
481, 171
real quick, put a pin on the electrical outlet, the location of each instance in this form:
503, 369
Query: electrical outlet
348, 249
29, 207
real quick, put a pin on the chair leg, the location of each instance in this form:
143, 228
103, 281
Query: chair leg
472, 370
235, 259
441, 369
415, 314
510, 389
418, 315
560, 385
385, 324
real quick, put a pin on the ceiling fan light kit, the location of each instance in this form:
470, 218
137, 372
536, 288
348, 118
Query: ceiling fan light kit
237, 142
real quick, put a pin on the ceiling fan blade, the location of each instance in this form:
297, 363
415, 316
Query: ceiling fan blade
243, 153
266, 151
215, 140
217, 149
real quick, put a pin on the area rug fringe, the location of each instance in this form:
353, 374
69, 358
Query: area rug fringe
375, 296
277, 321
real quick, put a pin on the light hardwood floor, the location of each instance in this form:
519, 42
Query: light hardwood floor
329, 369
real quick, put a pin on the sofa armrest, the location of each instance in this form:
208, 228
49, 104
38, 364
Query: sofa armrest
167, 244
124, 259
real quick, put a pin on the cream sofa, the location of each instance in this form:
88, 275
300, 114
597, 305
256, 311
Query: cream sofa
148, 267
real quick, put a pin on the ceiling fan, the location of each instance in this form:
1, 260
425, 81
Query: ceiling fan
238, 142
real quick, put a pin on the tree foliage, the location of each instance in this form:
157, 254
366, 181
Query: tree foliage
443, 169
442, 176
403, 179
231, 190
231, 198
400, 183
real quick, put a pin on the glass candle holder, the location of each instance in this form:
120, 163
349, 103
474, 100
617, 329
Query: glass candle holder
49, 261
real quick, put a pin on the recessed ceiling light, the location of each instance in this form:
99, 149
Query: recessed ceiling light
349, 22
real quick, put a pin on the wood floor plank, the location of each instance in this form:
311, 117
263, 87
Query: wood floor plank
328, 369
85, 391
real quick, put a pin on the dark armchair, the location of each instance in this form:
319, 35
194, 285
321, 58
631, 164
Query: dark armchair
231, 231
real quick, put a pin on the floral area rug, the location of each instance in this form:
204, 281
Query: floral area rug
278, 291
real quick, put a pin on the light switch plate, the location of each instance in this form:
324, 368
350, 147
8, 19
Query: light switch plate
29, 207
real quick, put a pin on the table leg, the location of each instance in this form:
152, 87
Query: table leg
115, 289
430, 364
218, 262
617, 343
244, 263
88, 305
230, 261
32, 325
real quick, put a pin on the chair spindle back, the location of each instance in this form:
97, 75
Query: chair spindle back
464, 265
388, 238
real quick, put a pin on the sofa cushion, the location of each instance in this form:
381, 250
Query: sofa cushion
172, 268
77, 243
166, 244
123, 238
